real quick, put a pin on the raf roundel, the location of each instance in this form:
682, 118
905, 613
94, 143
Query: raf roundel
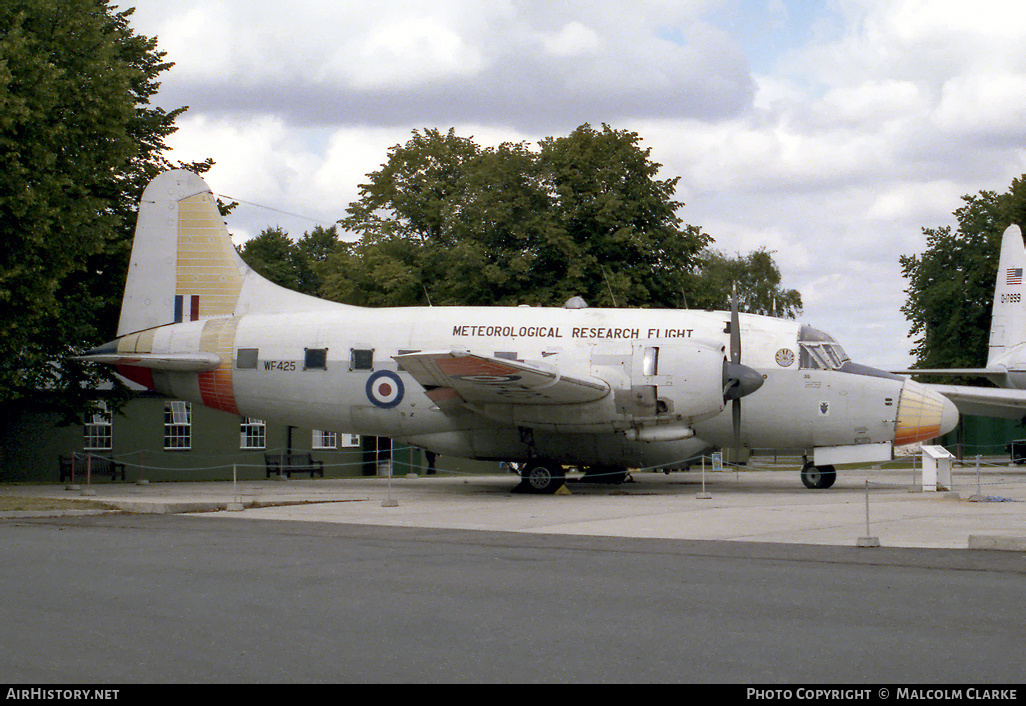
385, 389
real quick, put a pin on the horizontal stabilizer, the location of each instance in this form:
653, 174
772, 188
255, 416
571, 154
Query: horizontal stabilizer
197, 362
478, 379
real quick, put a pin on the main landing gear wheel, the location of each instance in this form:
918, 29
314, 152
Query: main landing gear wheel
542, 477
818, 477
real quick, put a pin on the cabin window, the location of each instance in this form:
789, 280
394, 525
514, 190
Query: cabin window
818, 351
315, 359
177, 425
98, 431
246, 358
361, 359
325, 439
252, 433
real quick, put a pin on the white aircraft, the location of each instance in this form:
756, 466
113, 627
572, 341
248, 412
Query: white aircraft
542, 387
1006, 359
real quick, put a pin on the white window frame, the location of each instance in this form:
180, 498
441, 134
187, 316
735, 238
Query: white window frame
252, 433
98, 431
323, 440
177, 425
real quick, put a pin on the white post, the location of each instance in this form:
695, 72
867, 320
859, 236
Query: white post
389, 501
703, 495
236, 503
867, 541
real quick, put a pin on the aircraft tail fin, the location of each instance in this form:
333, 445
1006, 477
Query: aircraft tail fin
1008, 323
184, 266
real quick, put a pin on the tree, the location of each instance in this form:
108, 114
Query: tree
448, 222
295, 265
621, 242
274, 256
78, 143
756, 277
314, 249
951, 285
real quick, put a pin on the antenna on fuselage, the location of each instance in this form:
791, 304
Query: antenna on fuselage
609, 287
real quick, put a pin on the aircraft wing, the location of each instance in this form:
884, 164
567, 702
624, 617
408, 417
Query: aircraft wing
995, 375
985, 401
477, 379
951, 371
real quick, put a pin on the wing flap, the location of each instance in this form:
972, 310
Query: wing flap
478, 379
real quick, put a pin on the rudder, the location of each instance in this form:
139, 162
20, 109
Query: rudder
183, 265
1008, 321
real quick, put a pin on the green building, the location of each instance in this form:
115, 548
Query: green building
159, 439
982, 436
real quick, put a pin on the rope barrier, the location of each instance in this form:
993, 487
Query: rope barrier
911, 461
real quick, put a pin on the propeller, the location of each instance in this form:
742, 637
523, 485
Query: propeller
738, 380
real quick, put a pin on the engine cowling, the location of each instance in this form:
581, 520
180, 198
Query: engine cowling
683, 382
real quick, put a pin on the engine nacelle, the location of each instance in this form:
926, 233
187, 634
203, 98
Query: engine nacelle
681, 382
671, 386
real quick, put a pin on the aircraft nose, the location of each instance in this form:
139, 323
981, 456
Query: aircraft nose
923, 414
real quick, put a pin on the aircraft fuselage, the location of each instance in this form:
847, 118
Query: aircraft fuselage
335, 368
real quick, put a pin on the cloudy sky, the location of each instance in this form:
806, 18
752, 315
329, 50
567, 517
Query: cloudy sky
830, 132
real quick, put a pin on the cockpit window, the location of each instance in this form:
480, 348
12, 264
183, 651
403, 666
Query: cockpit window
819, 351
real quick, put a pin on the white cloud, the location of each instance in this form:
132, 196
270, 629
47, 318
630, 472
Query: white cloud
871, 103
411, 51
986, 103
915, 200
573, 39
868, 124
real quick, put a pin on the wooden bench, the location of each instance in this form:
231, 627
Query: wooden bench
72, 467
293, 463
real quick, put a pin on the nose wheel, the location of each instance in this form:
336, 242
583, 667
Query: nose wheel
818, 477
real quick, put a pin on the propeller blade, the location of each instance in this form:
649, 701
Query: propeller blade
740, 379
735, 329
736, 412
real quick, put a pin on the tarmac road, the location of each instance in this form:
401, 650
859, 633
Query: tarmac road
134, 599
458, 580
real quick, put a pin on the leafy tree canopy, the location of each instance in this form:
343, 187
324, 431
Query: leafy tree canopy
756, 277
951, 284
295, 265
78, 143
446, 221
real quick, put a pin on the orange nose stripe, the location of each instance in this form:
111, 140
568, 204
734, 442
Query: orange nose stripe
920, 412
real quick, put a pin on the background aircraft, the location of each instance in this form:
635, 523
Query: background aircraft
545, 387
1006, 359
